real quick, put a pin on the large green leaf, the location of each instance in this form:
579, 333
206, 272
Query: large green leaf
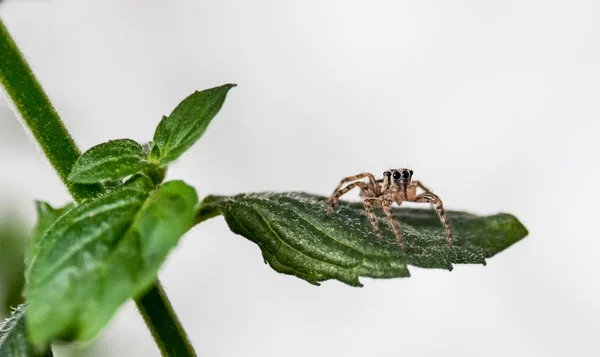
109, 161
186, 124
101, 253
13, 338
46, 216
297, 238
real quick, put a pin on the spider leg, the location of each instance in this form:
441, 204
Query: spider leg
439, 208
335, 197
420, 185
372, 181
371, 215
412, 191
388, 212
380, 183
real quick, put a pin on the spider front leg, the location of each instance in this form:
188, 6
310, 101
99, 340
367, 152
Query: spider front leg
388, 212
371, 215
411, 193
335, 197
421, 186
439, 208
372, 181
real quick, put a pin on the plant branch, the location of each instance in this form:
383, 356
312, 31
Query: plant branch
38, 114
171, 341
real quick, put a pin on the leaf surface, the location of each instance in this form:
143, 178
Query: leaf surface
297, 238
13, 337
109, 161
100, 254
186, 124
46, 216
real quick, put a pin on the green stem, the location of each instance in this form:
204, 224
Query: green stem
39, 115
47, 128
171, 341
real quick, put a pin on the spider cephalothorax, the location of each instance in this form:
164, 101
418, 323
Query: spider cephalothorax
396, 186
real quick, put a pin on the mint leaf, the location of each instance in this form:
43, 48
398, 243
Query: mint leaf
46, 216
186, 124
100, 254
13, 338
109, 161
297, 238
68, 264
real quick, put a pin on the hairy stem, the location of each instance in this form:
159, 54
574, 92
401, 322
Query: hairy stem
171, 341
38, 114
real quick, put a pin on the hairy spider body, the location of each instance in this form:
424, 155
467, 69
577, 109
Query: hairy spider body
396, 186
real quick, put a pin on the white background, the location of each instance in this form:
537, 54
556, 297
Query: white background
493, 104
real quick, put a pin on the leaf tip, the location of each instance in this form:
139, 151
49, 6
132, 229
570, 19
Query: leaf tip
225, 87
73, 177
42, 207
524, 229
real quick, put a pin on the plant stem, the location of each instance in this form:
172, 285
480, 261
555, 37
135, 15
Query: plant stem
171, 341
47, 128
39, 115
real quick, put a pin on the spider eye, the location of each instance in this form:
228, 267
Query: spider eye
406, 174
387, 173
396, 175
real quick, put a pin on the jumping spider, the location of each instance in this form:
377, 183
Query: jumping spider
396, 186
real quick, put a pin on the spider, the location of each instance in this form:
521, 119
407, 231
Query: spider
397, 186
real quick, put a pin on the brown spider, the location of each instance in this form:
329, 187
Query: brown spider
396, 186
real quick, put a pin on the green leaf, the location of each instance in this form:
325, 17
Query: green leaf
297, 238
46, 216
13, 237
13, 338
186, 124
100, 254
109, 161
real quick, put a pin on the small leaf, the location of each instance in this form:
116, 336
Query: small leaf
100, 254
109, 161
13, 338
186, 124
297, 238
46, 216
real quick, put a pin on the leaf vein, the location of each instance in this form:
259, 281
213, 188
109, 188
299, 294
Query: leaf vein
81, 244
306, 254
